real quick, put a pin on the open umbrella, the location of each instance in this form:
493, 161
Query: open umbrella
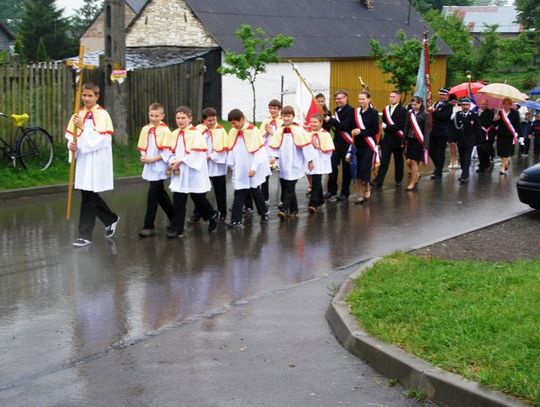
496, 92
534, 91
502, 91
462, 89
530, 104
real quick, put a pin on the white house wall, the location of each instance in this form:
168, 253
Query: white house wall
237, 93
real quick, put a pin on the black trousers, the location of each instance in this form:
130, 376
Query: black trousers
240, 198
92, 206
265, 188
386, 155
316, 198
248, 203
465, 152
219, 184
204, 209
338, 158
524, 149
290, 204
437, 152
157, 196
484, 155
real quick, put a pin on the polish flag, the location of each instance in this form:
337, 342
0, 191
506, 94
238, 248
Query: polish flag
305, 104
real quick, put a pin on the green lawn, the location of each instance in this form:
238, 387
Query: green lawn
480, 320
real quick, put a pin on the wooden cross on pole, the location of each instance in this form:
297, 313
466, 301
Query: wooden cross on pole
79, 68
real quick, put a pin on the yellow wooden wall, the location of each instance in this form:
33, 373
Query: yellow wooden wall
344, 75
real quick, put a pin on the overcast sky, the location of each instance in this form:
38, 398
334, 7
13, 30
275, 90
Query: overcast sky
69, 5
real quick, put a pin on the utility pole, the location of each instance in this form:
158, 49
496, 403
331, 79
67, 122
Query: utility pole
115, 60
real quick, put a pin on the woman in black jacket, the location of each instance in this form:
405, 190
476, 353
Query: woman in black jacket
367, 127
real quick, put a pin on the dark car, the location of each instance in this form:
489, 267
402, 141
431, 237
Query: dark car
528, 186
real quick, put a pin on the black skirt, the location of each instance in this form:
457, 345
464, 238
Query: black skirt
505, 146
414, 150
364, 158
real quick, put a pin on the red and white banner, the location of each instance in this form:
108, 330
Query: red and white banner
304, 104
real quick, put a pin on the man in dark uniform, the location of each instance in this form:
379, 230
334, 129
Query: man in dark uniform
485, 141
393, 122
342, 123
441, 113
468, 132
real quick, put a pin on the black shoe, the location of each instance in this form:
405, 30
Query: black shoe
147, 232
283, 215
341, 198
329, 195
213, 222
294, 213
463, 180
247, 209
235, 225
435, 176
173, 234
194, 219
264, 219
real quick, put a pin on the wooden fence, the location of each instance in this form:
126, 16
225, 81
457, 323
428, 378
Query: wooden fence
45, 92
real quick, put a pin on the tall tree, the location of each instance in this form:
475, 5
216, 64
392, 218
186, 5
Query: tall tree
528, 13
10, 13
259, 50
423, 6
41, 19
459, 39
401, 60
487, 57
84, 16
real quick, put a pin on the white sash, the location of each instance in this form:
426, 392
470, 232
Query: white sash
369, 140
419, 135
509, 126
344, 134
389, 120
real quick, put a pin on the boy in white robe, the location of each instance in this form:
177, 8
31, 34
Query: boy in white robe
89, 136
292, 147
322, 162
189, 173
151, 147
249, 161
215, 136
268, 127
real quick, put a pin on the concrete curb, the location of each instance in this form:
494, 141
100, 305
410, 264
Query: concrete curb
442, 387
56, 189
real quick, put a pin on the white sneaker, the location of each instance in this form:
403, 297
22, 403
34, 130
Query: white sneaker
111, 229
80, 242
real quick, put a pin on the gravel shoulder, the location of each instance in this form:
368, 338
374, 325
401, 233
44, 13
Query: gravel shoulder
513, 239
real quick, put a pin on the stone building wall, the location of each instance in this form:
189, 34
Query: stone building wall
169, 23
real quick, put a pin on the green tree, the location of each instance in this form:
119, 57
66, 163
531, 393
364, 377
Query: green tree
487, 57
459, 39
528, 13
41, 19
512, 60
401, 61
41, 53
10, 13
84, 16
423, 6
259, 50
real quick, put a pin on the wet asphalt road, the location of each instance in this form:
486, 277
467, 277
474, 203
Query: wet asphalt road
63, 310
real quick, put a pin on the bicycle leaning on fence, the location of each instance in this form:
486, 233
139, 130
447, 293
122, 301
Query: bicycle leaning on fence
33, 146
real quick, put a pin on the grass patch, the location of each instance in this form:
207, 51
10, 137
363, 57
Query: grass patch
125, 158
480, 320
